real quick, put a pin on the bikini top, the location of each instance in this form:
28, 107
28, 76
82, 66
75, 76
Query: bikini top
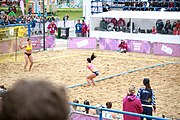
90, 67
29, 47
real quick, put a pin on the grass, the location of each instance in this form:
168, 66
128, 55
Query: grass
74, 13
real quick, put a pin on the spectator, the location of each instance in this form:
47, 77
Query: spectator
30, 11
12, 14
19, 19
132, 104
107, 114
33, 25
65, 18
88, 110
78, 28
39, 14
52, 28
84, 29
2, 12
10, 9
129, 25
147, 97
154, 31
121, 22
106, 8
170, 6
167, 27
74, 107
174, 25
2, 90
123, 47
57, 19
35, 100
178, 24
114, 21
159, 25
88, 30
176, 31
6, 22
14, 9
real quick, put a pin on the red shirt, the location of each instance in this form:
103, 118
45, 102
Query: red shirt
52, 28
154, 31
178, 25
84, 28
176, 32
123, 46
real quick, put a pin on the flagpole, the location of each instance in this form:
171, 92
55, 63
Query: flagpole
44, 47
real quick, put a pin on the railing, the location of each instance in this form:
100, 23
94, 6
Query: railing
100, 109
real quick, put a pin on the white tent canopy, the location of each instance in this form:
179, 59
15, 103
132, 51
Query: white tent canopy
139, 14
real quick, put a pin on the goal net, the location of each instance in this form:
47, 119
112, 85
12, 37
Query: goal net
10, 37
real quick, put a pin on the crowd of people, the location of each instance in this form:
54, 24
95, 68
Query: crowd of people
171, 27
149, 5
10, 17
142, 103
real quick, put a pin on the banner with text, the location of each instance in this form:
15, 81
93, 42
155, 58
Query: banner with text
82, 43
82, 116
166, 49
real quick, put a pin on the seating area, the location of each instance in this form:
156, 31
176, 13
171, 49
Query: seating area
148, 5
99, 6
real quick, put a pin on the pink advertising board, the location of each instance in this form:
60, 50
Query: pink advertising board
108, 43
83, 116
8, 46
50, 41
139, 46
133, 45
82, 43
166, 49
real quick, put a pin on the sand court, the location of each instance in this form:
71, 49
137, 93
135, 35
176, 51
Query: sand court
62, 67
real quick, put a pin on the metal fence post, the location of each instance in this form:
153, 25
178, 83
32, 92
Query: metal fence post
29, 30
100, 115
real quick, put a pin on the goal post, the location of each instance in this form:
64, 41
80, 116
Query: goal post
9, 40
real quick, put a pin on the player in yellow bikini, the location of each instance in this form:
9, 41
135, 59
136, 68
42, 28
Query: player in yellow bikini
28, 51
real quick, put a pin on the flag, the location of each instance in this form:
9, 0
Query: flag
22, 6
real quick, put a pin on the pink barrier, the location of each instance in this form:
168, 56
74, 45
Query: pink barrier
133, 45
82, 42
139, 46
108, 44
83, 116
34, 39
50, 42
166, 49
8, 46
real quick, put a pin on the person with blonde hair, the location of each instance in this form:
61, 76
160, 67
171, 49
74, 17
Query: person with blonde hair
131, 104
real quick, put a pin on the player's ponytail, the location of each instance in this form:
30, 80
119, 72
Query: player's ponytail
91, 58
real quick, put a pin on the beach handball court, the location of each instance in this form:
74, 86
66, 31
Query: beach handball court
117, 72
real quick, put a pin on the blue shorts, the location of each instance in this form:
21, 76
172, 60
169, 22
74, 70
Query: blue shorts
96, 73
